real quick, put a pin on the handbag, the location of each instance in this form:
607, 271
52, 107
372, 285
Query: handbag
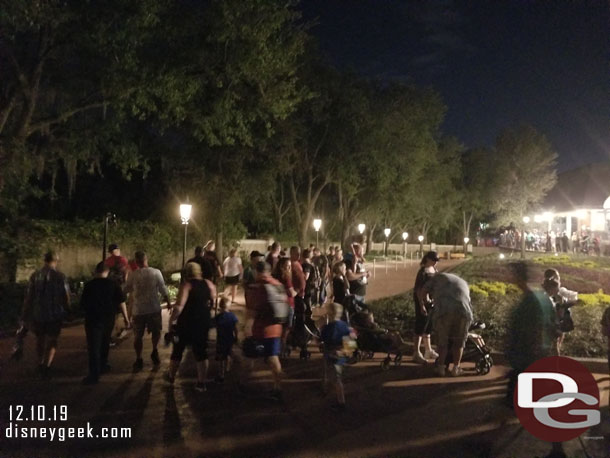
566, 324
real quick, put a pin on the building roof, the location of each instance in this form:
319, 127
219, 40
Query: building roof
582, 188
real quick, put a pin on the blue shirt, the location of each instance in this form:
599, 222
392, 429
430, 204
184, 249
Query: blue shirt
225, 327
332, 334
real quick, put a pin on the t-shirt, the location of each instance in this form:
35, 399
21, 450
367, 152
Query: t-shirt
357, 287
101, 299
47, 296
249, 276
207, 269
264, 326
339, 290
423, 275
287, 282
145, 285
298, 278
310, 283
225, 327
211, 257
232, 266
332, 334
118, 268
321, 262
450, 294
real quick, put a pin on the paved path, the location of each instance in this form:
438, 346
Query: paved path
405, 411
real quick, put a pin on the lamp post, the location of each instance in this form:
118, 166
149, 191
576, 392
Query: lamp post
185, 216
317, 224
361, 228
405, 236
421, 244
466, 240
108, 218
386, 231
526, 220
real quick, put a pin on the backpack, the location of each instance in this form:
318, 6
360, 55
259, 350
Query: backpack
277, 302
566, 324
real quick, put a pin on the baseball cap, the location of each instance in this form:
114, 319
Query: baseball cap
256, 254
432, 256
112, 247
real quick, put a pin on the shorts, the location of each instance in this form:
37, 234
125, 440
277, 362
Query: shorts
223, 350
232, 280
47, 328
454, 328
272, 346
198, 346
423, 323
150, 321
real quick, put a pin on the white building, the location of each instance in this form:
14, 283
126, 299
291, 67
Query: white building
579, 201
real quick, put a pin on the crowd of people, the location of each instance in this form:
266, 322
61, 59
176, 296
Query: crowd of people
583, 241
281, 289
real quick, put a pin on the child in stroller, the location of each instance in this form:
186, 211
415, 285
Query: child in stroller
475, 351
373, 338
303, 330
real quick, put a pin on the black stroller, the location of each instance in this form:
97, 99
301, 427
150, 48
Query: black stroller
370, 339
303, 330
475, 350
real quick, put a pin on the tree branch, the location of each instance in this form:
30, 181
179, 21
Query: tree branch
63, 117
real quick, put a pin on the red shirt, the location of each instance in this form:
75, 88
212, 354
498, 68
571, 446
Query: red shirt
263, 326
298, 278
287, 282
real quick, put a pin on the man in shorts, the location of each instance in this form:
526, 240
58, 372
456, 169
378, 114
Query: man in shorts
145, 285
46, 299
451, 318
263, 327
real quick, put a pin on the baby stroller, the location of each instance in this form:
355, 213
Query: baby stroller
475, 351
371, 339
303, 330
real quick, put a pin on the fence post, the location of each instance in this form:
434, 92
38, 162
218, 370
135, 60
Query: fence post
385, 260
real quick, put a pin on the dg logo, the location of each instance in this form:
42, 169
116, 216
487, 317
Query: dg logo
557, 399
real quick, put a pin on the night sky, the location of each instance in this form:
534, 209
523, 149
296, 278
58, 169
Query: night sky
496, 63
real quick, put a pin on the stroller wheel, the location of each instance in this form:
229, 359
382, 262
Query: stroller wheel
398, 359
385, 364
483, 366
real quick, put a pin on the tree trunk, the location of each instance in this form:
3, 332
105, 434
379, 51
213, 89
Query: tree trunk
219, 246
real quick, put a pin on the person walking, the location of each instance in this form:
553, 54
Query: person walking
274, 255
209, 253
119, 269
261, 323
233, 271
312, 279
336, 350
190, 321
249, 275
298, 280
146, 284
283, 273
423, 308
46, 299
207, 269
226, 336
321, 262
451, 318
101, 299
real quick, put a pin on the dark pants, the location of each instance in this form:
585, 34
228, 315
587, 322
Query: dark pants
98, 345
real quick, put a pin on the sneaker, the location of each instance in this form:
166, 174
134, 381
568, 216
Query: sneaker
440, 371
430, 354
168, 378
201, 387
89, 380
456, 371
138, 365
154, 356
418, 358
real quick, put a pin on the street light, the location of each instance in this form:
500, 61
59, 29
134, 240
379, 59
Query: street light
317, 224
185, 216
466, 240
361, 228
421, 244
405, 236
526, 220
386, 231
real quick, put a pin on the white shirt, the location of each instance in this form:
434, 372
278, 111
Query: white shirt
232, 266
145, 285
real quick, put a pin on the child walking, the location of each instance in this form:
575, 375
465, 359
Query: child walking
226, 336
338, 339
